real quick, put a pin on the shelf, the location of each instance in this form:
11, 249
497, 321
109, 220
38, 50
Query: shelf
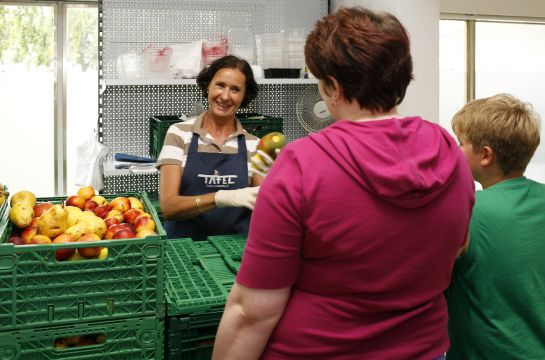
160, 82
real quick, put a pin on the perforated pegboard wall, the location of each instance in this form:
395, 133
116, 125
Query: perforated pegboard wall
126, 123
131, 25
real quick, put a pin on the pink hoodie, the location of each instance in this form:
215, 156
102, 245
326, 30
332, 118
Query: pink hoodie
363, 220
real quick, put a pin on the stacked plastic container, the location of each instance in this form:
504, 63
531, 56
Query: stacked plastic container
111, 308
199, 276
281, 54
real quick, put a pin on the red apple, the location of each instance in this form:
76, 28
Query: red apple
17, 240
90, 205
40, 239
111, 221
124, 234
130, 215
100, 200
30, 231
64, 254
121, 203
86, 192
115, 214
144, 222
75, 200
89, 252
102, 210
40, 208
113, 229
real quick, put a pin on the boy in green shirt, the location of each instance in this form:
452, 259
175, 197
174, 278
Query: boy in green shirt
497, 295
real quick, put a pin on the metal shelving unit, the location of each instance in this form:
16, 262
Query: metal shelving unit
125, 105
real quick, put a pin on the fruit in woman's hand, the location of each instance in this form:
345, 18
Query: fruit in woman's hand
270, 142
21, 214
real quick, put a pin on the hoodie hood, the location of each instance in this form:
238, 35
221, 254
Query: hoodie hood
405, 161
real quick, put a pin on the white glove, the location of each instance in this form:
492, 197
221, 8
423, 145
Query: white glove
262, 163
244, 197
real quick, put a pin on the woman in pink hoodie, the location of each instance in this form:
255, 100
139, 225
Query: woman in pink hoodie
356, 227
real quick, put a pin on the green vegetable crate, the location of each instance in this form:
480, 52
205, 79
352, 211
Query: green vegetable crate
136, 338
197, 283
255, 124
36, 290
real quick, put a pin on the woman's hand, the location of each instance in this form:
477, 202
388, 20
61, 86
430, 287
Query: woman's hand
262, 163
244, 197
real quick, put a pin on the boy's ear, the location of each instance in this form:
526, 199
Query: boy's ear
487, 156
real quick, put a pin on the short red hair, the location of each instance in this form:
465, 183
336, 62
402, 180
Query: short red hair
366, 52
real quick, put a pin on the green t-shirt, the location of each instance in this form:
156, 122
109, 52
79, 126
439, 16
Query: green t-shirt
497, 295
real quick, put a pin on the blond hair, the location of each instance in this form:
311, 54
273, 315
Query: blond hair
506, 124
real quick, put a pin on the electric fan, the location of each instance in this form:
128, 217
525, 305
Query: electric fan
312, 111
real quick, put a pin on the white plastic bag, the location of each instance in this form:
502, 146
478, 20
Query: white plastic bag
185, 61
89, 157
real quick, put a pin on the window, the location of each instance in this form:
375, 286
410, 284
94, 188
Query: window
48, 92
509, 58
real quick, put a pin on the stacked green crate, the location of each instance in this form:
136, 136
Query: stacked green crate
41, 295
197, 283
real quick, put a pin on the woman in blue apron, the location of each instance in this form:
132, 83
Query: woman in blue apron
205, 188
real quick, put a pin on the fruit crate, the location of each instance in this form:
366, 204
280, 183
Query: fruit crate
190, 287
138, 338
197, 283
231, 248
4, 206
158, 127
260, 125
191, 337
36, 290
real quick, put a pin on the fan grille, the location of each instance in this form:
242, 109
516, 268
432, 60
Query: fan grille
311, 110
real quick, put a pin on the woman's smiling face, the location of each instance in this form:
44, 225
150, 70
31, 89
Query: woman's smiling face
226, 92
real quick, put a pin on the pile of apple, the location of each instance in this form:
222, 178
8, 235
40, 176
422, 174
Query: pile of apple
82, 217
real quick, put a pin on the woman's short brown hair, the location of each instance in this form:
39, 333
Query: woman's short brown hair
367, 53
230, 62
506, 124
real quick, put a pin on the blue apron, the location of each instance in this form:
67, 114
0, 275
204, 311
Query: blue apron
209, 172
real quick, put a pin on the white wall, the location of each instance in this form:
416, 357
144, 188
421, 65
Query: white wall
421, 19
524, 8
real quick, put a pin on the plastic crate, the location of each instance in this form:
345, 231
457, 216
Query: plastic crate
4, 207
37, 290
126, 339
260, 125
189, 286
231, 247
191, 337
158, 127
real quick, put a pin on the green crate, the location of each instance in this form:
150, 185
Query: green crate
36, 290
191, 336
158, 127
231, 247
122, 339
189, 286
4, 207
260, 125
